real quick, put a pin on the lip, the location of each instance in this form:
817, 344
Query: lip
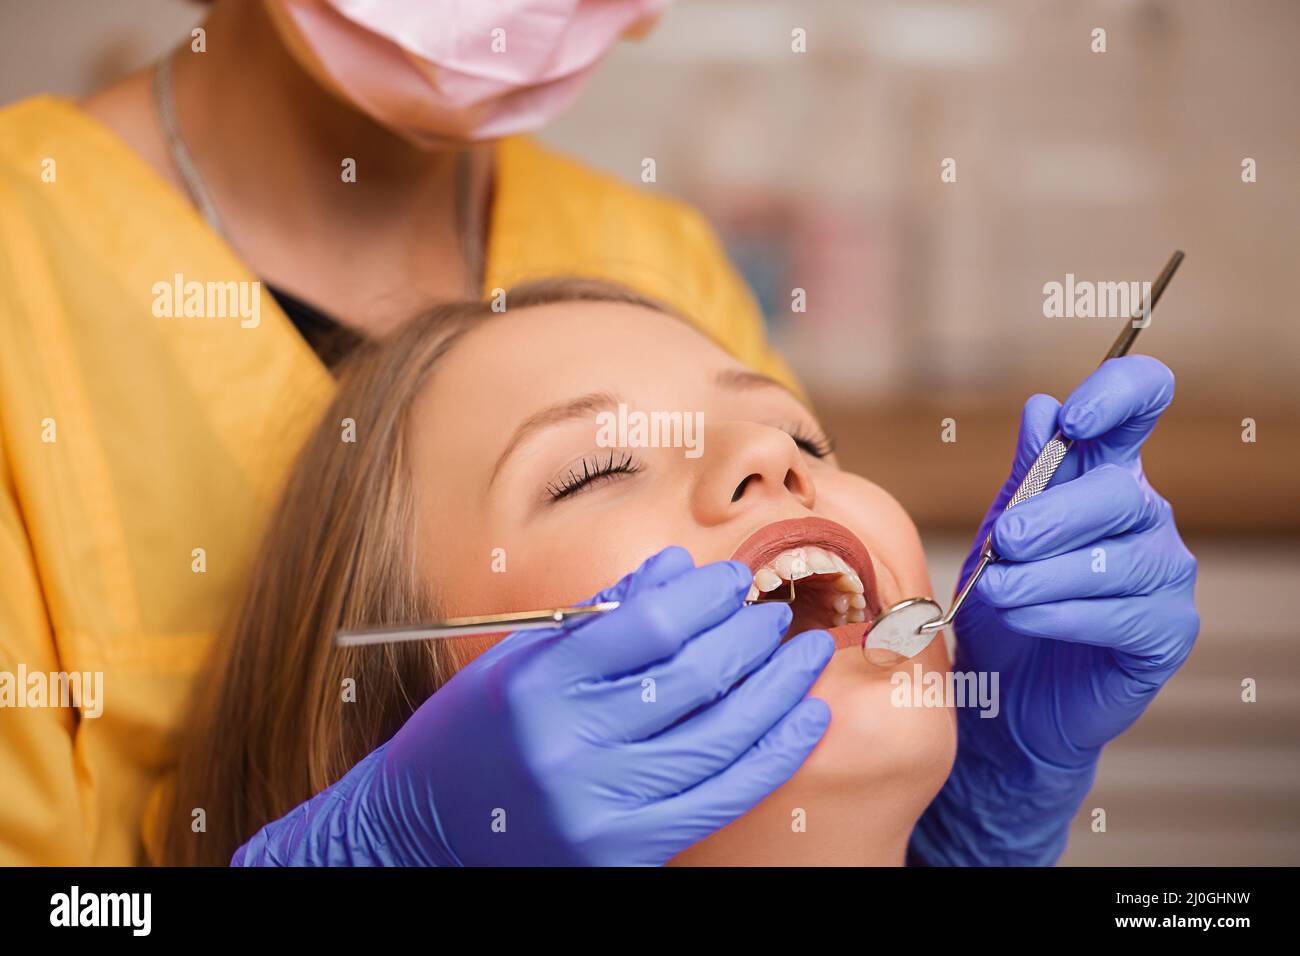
770, 540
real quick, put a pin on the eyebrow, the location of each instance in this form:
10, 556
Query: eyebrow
732, 379
557, 414
743, 380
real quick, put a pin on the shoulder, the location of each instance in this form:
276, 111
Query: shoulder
92, 149
36, 129
56, 165
29, 137
554, 215
33, 144
25, 116
73, 190
579, 201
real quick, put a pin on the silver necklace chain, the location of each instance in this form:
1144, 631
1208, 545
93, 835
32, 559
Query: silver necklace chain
468, 223
180, 153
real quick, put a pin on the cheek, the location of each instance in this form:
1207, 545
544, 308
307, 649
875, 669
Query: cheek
493, 572
884, 527
512, 580
531, 570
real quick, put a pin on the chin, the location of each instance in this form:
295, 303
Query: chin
858, 795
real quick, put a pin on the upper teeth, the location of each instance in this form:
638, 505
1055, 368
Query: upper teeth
795, 563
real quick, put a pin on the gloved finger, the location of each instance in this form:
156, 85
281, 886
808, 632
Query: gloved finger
711, 741
1150, 635
1121, 401
643, 703
772, 761
1107, 501
654, 623
1037, 426
1128, 565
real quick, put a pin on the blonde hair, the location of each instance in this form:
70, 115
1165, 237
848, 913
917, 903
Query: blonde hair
268, 728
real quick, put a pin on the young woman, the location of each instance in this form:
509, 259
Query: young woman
479, 482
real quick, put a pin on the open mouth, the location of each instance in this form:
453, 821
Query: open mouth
834, 579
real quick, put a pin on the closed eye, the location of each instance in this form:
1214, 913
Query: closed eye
592, 470
815, 443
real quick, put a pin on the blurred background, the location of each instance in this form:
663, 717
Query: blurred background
924, 298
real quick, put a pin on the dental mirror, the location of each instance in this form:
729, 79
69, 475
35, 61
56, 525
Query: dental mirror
897, 635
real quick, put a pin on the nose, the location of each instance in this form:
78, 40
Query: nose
749, 466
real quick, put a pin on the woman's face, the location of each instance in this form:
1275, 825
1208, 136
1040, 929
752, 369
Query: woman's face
523, 504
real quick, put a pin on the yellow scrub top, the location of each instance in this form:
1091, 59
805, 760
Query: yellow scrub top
138, 453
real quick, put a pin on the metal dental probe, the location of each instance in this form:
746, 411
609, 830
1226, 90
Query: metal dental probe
488, 624
903, 630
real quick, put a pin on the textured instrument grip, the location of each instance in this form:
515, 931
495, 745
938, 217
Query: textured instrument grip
1042, 470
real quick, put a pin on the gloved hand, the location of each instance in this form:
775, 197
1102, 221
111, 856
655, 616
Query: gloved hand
611, 741
1086, 616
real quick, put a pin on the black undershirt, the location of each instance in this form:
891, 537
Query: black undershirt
330, 339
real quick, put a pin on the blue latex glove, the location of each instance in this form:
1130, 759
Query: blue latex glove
547, 750
1080, 651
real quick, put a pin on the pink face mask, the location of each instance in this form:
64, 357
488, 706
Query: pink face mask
438, 70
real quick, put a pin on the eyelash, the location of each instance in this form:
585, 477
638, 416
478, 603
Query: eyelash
595, 469
817, 444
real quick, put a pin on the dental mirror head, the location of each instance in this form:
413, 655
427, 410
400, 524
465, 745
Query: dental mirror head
896, 634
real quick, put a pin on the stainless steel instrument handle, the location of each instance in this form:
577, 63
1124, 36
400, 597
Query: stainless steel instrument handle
1041, 471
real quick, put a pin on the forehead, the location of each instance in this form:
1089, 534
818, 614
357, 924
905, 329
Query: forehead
548, 351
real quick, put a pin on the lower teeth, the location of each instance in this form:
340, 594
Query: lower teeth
842, 602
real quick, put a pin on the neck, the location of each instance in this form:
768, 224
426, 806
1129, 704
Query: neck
265, 134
